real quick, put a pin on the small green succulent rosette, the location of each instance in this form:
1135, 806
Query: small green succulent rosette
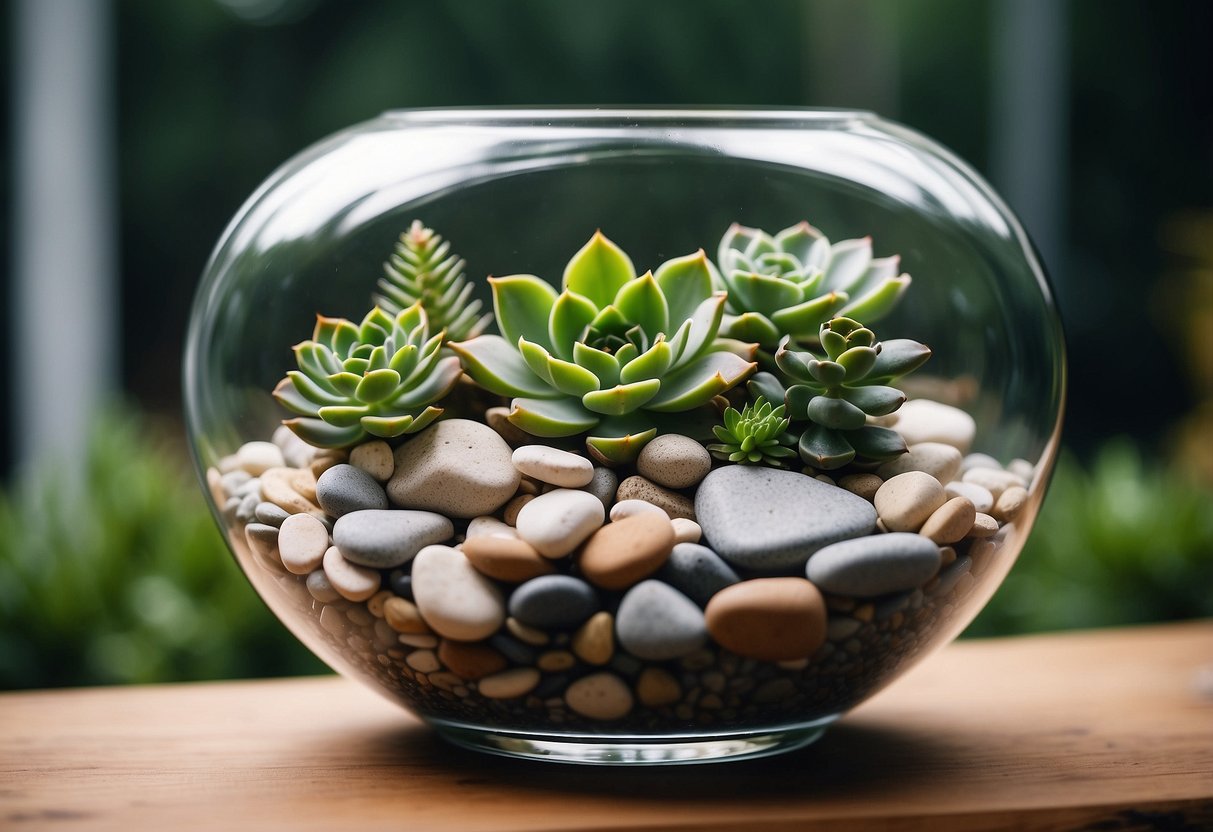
836, 394
791, 283
380, 378
755, 435
613, 355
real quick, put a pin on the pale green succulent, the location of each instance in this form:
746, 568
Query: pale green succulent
793, 282
613, 355
422, 270
381, 378
756, 435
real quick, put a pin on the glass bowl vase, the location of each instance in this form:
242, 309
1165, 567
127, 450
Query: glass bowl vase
545, 557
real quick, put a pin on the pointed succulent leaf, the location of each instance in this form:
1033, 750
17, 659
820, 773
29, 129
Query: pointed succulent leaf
767, 386
523, 304
857, 361
619, 450
536, 358
736, 239
686, 282
497, 367
571, 314
571, 379
763, 294
760, 243
323, 435
879, 270
289, 395
849, 261
551, 417
878, 444
798, 398
751, 327
377, 385
642, 302
602, 364
649, 364
405, 360
437, 383
309, 390
878, 302
696, 383
599, 270
824, 448
875, 400
705, 323
805, 318
387, 427
898, 357
345, 383
343, 416
609, 320
627, 353
800, 241
792, 363
838, 414
623, 398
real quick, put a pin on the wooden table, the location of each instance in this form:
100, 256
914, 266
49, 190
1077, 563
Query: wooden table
1109, 730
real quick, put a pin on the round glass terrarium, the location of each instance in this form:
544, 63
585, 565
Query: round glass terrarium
685, 480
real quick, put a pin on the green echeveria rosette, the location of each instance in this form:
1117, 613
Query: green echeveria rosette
380, 378
836, 394
422, 270
755, 435
789, 284
614, 355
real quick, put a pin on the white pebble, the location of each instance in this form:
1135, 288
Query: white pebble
554, 466
935, 458
353, 582
630, 508
905, 502
258, 457
296, 452
302, 542
558, 522
375, 458
979, 496
922, 420
1023, 468
601, 696
686, 531
509, 684
488, 526
980, 461
993, 481
453, 598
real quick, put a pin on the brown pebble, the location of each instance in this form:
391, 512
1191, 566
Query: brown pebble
947, 555
769, 619
374, 604
553, 661
1009, 504
510, 515
325, 460
403, 616
526, 633
304, 483
657, 687
470, 661
498, 419
865, 612
276, 488
624, 552
673, 503
950, 522
983, 526
594, 641
862, 485
506, 558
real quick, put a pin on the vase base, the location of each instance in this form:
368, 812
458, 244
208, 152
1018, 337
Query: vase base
635, 750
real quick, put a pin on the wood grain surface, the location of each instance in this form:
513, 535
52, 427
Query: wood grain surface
1109, 730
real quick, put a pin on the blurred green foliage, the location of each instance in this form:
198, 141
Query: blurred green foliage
121, 575
1126, 541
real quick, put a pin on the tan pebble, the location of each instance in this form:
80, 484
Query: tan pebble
506, 559
302, 542
947, 555
498, 418
553, 466
425, 640
304, 483
276, 488
980, 553
1022, 468
862, 485
470, 661
325, 460
510, 514
983, 526
906, 501
594, 641
622, 553
935, 458
674, 461
489, 526
360, 616
769, 619
353, 582
526, 633
686, 531
423, 661
630, 508
950, 522
526, 485
600, 696
403, 616
333, 622
671, 502
374, 604
258, 457
656, 687
374, 457
828, 480
865, 612
554, 661
445, 681
994, 481
1009, 504
509, 684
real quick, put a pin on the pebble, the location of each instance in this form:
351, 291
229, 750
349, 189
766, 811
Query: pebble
302, 542
401, 583
922, 420
270, 514
602, 696
980, 497
657, 622
344, 488
387, 538
906, 501
769, 619
232, 480
554, 661
671, 502
674, 461
489, 526
509, 684
403, 616
295, 452
628, 550
1009, 504
861, 485
470, 661
456, 467
656, 687
375, 603
983, 526
841, 628
697, 572
514, 507
423, 661
979, 460
630, 508
374, 457
594, 641
994, 481
524, 632
1022, 468
352, 582
256, 458
513, 649
326, 459
261, 538
559, 521
603, 485
247, 510
498, 418
767, 519
686, 531
875, 565
426, 641
553, 466
276, 488
320, 588
506, 558
935, 458
554, 602
455, 600
951, 522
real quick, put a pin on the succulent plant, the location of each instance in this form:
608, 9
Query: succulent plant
792, 282
422, 270
836, 394
613, 354
755, 435
378, 378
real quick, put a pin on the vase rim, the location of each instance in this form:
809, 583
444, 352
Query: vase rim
639, 115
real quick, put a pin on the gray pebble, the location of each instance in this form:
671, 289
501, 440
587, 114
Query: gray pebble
657, 622
386, 538
875, 565
344, 488
513, 649
270, 514
554, 602
261, 537
767, 519
603, 485
321, 589
247, 510
697, 572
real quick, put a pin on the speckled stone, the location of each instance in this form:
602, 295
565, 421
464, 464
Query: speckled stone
935, 458
697, 572
455, 467
906, 501
603, 485
671, 502
674, 461
344, 488
374, 457
601, 696
554, 466
385, 539
657, 622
